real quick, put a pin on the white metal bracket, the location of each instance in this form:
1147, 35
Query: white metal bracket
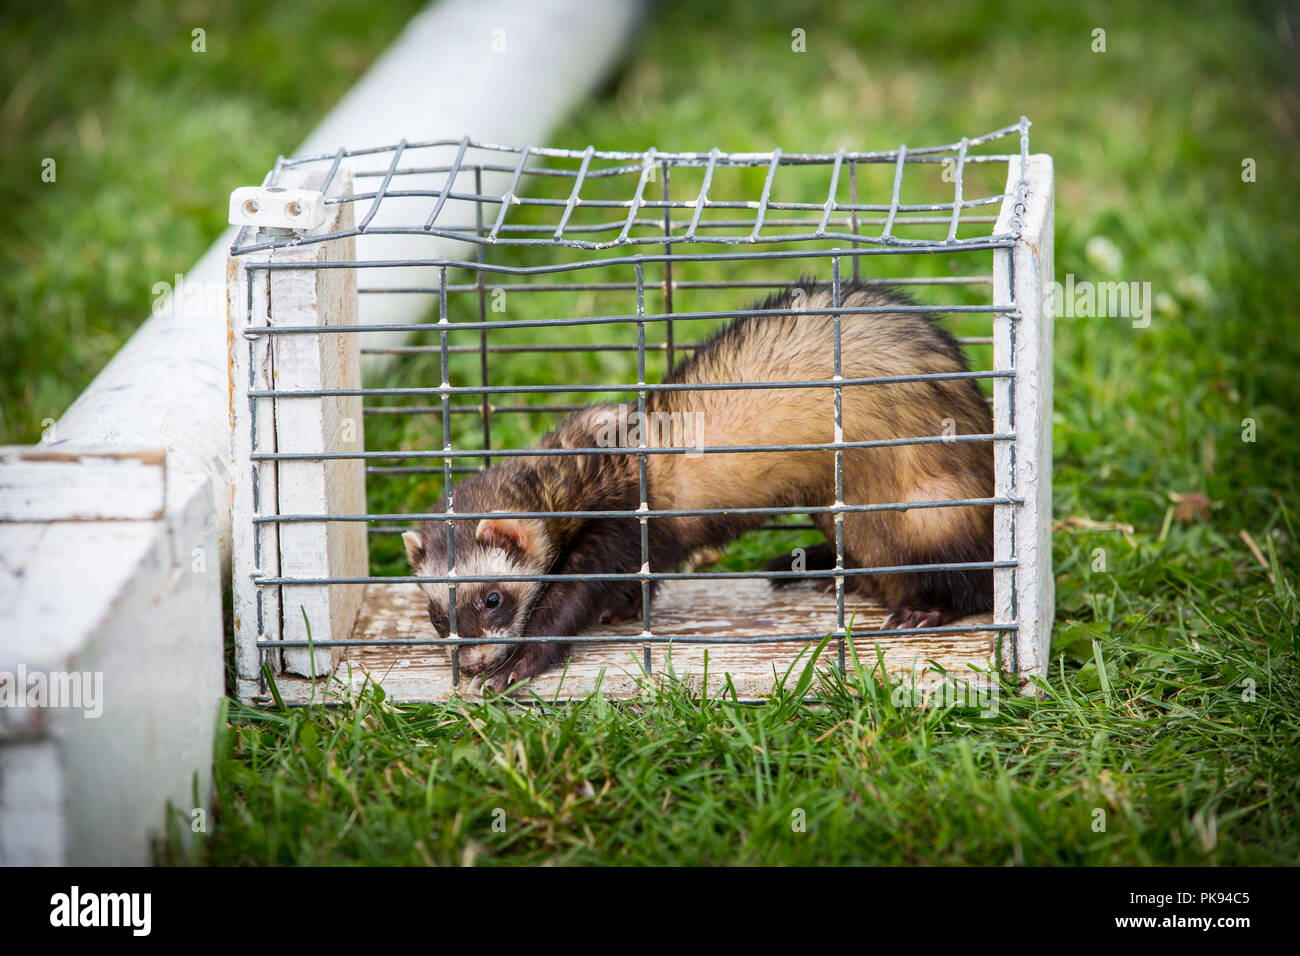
277, 207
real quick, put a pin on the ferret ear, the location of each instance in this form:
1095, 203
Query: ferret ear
512, 534
414, 547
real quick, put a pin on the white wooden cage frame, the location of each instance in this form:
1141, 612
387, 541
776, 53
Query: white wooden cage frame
325, 294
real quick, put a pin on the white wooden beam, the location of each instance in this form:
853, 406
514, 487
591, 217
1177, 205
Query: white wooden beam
1022, 277
122, 613
39, 483
306, 297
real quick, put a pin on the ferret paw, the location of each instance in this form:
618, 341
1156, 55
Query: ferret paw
527, 663
910, 617
481, 681
499, 683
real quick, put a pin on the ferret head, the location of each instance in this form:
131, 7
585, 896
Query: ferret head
484, 609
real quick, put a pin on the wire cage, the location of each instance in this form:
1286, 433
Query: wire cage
555, 278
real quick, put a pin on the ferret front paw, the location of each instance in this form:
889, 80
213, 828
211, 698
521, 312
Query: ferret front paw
910, 617
529, 661
620, 616
499, 682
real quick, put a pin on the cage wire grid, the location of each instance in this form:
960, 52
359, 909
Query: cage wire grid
836, 231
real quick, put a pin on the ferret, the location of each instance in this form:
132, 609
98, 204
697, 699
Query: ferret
797, 346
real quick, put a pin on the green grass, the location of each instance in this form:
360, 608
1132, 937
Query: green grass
1170, 765
1170, 701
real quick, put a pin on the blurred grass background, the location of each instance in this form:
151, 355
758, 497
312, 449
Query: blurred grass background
1174, 667
148, 138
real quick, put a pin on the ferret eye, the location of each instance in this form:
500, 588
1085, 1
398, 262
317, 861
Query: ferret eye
492, 600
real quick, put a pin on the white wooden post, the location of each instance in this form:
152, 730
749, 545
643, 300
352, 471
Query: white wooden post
110, 651
1022, 340
287, 363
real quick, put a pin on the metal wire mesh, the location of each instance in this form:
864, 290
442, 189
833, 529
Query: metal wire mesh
582, 227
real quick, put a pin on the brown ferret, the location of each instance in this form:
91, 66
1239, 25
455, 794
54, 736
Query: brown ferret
776, 348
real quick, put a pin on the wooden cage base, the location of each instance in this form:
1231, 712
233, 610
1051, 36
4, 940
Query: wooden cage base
707, 609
